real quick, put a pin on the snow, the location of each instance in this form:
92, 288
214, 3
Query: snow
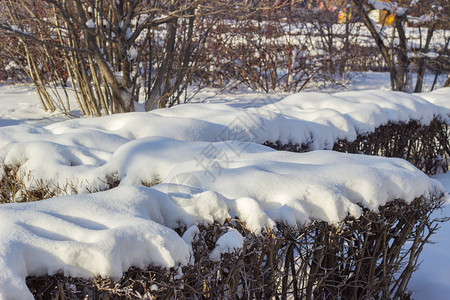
432, 280
207, 165
85, 235
90, 24
133, 53
440, 98
230, 242
190, 234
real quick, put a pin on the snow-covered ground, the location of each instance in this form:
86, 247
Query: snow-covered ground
203, 176
432, 280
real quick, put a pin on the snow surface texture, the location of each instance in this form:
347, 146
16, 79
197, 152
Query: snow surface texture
84, 152
440, 97
204, 177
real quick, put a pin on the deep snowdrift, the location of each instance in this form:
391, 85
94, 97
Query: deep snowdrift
209, 168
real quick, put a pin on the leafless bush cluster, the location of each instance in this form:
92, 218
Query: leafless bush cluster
281, 49
113, 53
401, 53
372, 257
426, 147
109, 52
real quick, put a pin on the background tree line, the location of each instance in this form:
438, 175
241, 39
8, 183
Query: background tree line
112, 53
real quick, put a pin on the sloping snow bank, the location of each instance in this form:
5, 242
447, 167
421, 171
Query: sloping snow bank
108, 232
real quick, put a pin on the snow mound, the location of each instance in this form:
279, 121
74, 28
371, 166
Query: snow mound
230, 242
108, 232
84, 235
440, 98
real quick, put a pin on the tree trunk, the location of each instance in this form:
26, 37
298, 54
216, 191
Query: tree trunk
421, 66
447, 82
156, 95
403, 60
384, 50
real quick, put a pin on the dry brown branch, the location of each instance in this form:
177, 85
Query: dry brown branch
426, 147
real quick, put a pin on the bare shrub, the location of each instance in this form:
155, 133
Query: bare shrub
426, 147
111, 52
284, 48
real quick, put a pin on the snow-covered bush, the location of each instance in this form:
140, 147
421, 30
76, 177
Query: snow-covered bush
373, 256
425, 146
382, 123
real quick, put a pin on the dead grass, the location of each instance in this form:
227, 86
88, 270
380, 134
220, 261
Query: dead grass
13, 189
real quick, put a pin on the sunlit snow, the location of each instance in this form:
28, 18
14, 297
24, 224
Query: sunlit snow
208, 165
